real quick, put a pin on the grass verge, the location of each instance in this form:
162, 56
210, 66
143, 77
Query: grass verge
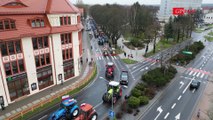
198, 30
57, 100
209, 38
128, 61
161, 45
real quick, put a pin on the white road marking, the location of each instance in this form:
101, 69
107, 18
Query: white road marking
42, 117
142, 70
181, 84
179, 97
190, 72
98, 104
202, 75
99, 57
194, 73
198, 74
193, 90
107, 57
160, 110
187, 86
152, 64
177, 117
166, 115
173, 105
102, 57
200, 68
112, 57
115, 57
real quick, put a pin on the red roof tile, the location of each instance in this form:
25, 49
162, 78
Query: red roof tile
38, 6
61, 6
24, 28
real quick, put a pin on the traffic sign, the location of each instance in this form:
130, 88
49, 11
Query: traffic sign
111, 113
187, 52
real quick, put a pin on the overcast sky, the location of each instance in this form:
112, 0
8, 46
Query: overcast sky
129, 2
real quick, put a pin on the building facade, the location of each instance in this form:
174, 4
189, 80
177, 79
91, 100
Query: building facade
166, 7
208, 18
40, 46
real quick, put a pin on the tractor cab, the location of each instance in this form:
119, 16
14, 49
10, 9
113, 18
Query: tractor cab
113, 85
109, 70
87, 112
112, 51
114, 92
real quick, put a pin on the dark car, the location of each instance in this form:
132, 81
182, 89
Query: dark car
124, 78
195, 84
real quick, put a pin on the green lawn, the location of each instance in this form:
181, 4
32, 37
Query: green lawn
209, 38
161, 45
211, 33
128, 61
199, 30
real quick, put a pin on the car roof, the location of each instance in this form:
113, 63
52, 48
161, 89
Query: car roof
110, 63
113, 83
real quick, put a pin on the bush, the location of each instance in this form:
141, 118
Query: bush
144, 100
136, 42
133, 102
140, 86
150, 92
135, 92
159, 76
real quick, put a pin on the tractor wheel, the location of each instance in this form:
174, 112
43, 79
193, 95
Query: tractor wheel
104, 98
120, 93
62, 118
94, 116
75, 112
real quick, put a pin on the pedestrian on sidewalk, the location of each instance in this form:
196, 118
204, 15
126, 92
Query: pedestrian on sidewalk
198, 114
2, 106
125, 54
91, 47
131, 56
128, 56
86, 59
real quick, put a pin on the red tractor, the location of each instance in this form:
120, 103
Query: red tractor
87, 112
109, 70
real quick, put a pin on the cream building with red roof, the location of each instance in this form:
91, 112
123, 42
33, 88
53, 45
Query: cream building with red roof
40, 46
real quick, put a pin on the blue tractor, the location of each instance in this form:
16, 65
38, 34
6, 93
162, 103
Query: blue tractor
68, 110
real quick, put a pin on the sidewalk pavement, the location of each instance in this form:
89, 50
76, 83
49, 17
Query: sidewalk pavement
205, 103
137, 54
27, 102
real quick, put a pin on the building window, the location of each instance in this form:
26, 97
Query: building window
7, 24
18, 87
37, 23
66, 38
45, 78
14, 67
68, 69
79, 19
13, 47
65, 20
40, 42
42, 60
67, 54
4, 51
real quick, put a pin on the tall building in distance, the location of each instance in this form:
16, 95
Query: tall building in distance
167, 6
40, 46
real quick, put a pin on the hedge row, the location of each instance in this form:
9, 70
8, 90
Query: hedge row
184, 59
159, 76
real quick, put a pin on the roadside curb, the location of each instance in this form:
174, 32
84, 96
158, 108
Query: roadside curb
78, 84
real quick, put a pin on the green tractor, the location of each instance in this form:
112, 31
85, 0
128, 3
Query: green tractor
114, 92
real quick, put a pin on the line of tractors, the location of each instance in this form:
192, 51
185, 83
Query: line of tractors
69, 110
